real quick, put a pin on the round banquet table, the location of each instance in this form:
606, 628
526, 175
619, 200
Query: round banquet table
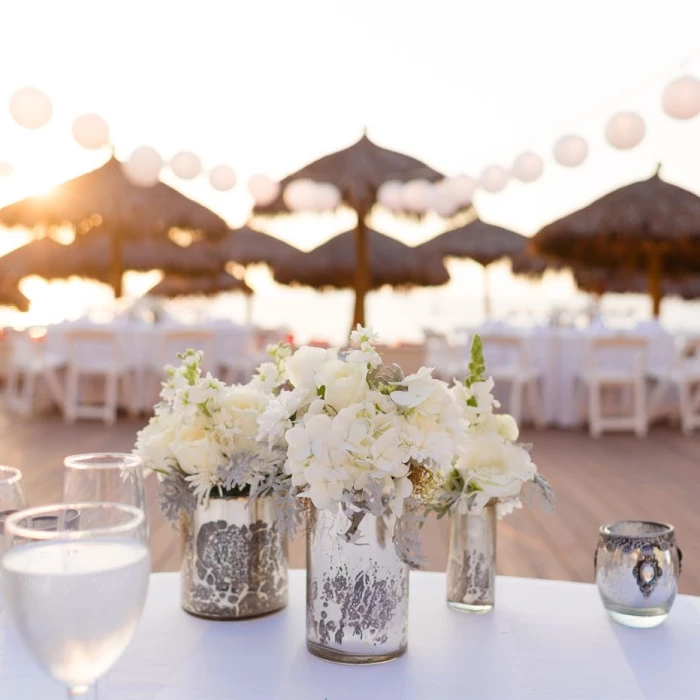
545, 639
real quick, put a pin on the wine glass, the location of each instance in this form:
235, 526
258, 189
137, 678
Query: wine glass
12, 495
75, 590
113, 477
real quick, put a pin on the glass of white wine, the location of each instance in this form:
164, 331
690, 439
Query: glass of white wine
12, 494
113, 477
75, 578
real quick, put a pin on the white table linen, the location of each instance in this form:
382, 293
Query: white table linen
544, 640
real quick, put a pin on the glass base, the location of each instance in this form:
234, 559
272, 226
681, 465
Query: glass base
469, 608
638, 621
232, 618
339, 657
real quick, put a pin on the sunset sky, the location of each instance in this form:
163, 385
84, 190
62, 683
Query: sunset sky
267, 86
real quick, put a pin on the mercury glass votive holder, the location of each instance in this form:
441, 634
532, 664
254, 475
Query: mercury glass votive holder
637, 564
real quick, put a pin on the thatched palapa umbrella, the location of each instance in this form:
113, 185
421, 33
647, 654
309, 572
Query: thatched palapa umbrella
649, 226
333, 265
106, 198
172, 286
484, 243
357, 171
90, 255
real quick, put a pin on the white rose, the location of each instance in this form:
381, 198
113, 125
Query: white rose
304, 363
345, 382
153, 442
507, 427
195, 449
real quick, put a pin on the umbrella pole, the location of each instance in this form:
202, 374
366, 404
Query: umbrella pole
362, 271
655, 273
487, 294
117, 265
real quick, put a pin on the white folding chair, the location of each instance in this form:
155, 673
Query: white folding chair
95, 354
508, 363
616, 363
28, 361
440, 355
684, 376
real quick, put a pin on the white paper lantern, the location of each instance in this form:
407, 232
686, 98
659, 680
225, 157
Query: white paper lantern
300, 195
186, 165
263, 189
416, 194
31, 108
389, 194
462, 188
90, 131
326, 196
493, 178
624, 130
143, 166
6, 169
222, 178
681, 98
527, 167
570, 150
442, 201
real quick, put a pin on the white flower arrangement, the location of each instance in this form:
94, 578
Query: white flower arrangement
359, 435
489, 466
202, 439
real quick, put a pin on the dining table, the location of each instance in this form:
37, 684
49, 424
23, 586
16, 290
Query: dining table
543, 640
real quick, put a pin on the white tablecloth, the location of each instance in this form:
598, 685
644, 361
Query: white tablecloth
545, 639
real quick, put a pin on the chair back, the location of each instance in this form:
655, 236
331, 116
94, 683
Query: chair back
624, 355
94, 350
504, 352
174, 342
689, 357
24, 351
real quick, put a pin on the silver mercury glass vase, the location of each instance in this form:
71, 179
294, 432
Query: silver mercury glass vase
471, 563
234, 563
356, 592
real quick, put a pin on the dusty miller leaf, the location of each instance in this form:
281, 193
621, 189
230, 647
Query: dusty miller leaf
175, 497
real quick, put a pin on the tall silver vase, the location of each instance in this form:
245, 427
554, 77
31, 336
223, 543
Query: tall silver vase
234, 562
356, 593
471, 564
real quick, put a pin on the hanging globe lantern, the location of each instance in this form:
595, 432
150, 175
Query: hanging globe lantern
389, 194
462, 188
263, 189
186, 165
625, 130
681, 98
90, 131
143, 166
415, 195
570, 150
527, 167
326, 197
222, 178
300, 195
493, 178
31, 108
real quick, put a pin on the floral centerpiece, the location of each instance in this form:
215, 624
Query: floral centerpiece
484, 483
365, 445
227, 493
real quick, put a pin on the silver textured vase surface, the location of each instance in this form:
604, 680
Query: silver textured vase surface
234, 561
637, 564
471, 563
356, 592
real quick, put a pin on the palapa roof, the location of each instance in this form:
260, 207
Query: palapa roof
11, 296
618, 229
333, 264
477, 240
246, 246
180, 286
105, 197
601, 281
357, 171
90, 255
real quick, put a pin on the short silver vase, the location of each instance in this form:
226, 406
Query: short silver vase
356, 592
234, 563
471, 563
637, 565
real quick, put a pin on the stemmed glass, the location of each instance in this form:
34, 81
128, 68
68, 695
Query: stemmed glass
12, 495
113, 477
76, 590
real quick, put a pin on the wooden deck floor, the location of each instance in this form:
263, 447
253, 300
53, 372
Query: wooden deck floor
596, 481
